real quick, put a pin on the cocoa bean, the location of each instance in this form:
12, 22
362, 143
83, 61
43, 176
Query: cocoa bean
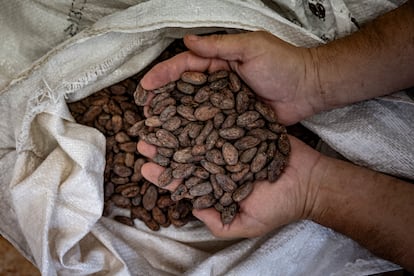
149, 200
228, 213
243, 191
230, 154
204, 201
196, 78
201, 189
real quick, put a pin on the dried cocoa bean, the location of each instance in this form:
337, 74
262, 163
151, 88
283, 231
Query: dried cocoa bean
167, 139
201, 189
196, 78
150, 197
243, 191
124, 220
204, 201
165, 177
230, 154
228, 213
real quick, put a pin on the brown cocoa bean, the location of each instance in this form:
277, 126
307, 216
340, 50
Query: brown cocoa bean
226, 199
131, 117
122, 137
128, 147
121, 170
139, 212
161, 160
211, 167
169, 87
124, 220
258, 162
247, 155
168, 113
276, 167
149, 200
130, 191
246, 142
92, 113
186, 112
158, 215
219, 84
165, 201
183, 156
167, 152
221, 74
247, 118
198, 150
167, 139
192, 181
231, 133
183, 171
172, 124
229, 213
243, 191
215, 156
179, 193
120, 201
217, 190
116, 123
226, 183
266, 111
230, 154
141, 96
208, 127
134, 129
203, 202
165, 177
196, 78
235, 83
283, 144
230, 120
206, 112
162, 105
185, 87
201, 189
194, 129
203, 94
201, 173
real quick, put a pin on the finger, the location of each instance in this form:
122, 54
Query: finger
171, 69
231, 47
146, 149
152, 171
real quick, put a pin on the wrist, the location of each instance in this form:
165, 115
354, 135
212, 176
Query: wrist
318, 97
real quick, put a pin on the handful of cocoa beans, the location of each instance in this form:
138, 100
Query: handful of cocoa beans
212, 132
112, 111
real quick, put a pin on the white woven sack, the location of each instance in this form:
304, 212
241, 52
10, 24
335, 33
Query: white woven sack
52, 168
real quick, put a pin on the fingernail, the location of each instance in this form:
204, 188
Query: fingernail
192, 37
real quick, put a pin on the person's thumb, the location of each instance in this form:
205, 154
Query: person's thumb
231, 47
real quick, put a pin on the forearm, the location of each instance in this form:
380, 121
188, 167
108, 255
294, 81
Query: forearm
374, 61
374, 209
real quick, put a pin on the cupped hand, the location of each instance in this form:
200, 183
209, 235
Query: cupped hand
269, 206
281, 74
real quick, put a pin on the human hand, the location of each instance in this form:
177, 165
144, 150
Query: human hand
269, 206
280, 73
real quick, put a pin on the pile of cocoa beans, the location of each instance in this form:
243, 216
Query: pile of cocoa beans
113, 112
211, 131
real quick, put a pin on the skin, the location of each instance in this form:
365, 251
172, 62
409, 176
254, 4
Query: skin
374, 209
